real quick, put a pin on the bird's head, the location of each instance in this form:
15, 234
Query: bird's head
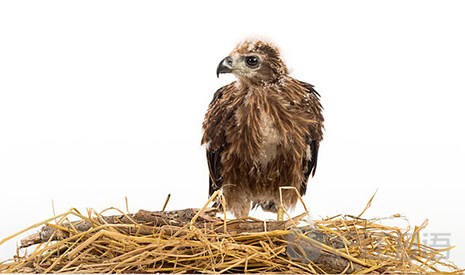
255, 62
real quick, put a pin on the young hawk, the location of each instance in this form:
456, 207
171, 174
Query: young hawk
261, 131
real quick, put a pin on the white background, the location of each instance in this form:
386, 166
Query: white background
104, 99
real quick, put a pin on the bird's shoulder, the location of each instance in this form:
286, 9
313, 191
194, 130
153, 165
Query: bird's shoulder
223, 92
302, 86
218, 117
310, 97
309, 88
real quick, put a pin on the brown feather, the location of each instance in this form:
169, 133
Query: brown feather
257, 131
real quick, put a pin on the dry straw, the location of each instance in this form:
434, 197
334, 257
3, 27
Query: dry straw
197, 241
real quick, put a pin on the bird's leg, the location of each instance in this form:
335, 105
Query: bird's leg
280, 213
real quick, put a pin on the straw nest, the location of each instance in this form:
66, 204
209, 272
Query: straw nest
198, 241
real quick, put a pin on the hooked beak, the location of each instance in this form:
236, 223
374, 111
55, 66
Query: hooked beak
225, 66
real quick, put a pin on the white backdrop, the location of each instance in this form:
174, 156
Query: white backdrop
104, 99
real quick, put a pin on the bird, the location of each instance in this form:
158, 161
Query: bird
261, 132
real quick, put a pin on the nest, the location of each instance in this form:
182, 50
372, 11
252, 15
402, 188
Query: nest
198, 241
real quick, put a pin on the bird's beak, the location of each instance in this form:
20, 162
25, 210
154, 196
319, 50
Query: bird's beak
225, 66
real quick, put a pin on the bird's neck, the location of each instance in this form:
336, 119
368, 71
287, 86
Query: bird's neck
257, 83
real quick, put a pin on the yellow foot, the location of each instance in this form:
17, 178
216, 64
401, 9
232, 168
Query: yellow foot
280, 214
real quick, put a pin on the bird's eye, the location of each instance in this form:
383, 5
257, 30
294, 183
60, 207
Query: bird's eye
251, 61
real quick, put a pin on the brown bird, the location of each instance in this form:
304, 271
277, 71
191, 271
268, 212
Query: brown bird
261, 132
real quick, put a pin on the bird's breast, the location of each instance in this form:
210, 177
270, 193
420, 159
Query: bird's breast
258, 128
270, 138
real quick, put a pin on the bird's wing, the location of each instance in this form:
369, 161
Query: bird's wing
214, 167
214, 138
315, 135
